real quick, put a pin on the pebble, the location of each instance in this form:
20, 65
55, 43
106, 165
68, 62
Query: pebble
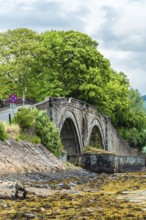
29, 215
43, 209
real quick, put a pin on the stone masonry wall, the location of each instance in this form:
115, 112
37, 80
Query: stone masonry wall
84, 118
118, 145
109, 163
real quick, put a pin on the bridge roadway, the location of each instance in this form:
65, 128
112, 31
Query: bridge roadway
4, 113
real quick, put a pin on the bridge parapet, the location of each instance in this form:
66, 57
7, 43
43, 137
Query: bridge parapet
42, 105
70, 102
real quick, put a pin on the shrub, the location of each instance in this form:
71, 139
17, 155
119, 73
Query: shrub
3, 133
36, 126
25, 117
48, 133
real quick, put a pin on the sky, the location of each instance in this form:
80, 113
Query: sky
118, 26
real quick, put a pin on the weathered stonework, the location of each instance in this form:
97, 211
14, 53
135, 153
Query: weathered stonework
79, 123
109, 163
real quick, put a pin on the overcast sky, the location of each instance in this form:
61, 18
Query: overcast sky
118, 26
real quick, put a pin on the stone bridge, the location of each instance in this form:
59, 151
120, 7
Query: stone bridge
81, 124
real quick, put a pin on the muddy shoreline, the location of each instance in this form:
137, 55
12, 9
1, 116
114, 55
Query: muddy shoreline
58, 190
42, 183
75, 194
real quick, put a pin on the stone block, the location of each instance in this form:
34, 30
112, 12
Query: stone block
109, 163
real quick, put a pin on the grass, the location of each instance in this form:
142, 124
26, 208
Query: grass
89, 149
13, 130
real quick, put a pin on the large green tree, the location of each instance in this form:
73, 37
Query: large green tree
116, 103
77, 62
19, 52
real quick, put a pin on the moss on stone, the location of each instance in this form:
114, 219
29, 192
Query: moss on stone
94, 150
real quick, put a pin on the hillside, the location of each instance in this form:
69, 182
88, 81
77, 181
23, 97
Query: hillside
23, 157
145, 104
144, 98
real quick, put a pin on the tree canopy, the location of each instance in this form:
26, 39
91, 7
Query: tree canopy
67, 63
18, 55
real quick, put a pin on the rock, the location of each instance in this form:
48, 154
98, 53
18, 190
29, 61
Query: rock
45, 186
19, 188
29, 215
64, 186
72, 184
43, 209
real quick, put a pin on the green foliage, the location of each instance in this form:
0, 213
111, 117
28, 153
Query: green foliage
31, 138
19, 50
134, 121
3, 133
136, 101
134, 137
25, 117
80, 68
144, 150
66, 63
48, 133
116, 103
37, 127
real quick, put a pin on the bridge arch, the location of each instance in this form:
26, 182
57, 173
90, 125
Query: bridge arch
96, 134
70, 134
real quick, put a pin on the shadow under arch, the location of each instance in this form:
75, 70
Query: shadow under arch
96, 136
70, 136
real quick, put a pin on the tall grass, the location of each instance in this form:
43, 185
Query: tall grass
13, 130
